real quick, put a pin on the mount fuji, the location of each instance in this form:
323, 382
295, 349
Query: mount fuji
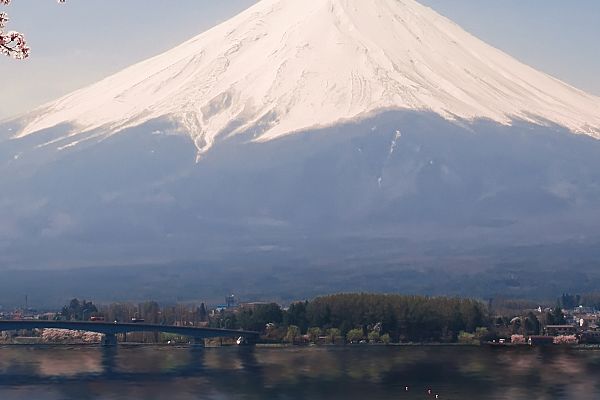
370, 137
287, 66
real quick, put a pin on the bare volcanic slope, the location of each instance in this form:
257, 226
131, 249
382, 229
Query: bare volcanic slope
284, 66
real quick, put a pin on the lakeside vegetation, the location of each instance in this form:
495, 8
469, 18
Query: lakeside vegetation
339, 318
357, 317
345, 318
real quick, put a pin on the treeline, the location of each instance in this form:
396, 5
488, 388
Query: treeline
587, 300
528, 323
78, 310
150, 311
399, 318
153, 313
352, 317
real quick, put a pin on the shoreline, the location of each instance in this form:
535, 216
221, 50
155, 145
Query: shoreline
289, 346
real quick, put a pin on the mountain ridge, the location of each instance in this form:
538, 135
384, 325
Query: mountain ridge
284, 66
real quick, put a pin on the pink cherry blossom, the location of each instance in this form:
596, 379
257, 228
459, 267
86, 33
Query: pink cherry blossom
12, 43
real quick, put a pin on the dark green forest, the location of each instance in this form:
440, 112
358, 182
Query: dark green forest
403, 318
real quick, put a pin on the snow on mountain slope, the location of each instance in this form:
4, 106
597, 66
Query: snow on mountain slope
287, 65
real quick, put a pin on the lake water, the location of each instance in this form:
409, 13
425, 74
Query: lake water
362, 372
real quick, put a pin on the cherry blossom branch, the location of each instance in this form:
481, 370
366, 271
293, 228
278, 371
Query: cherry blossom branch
12, 43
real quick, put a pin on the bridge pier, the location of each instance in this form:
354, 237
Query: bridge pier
246, 341
198, 342
110, 339
251, 341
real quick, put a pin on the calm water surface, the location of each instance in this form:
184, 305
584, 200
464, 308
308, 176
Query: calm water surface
78, 373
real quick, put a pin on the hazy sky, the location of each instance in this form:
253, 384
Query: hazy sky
84, 40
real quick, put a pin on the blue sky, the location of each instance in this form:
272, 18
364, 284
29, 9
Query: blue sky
84, 40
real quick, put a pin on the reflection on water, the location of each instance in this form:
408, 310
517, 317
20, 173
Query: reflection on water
65, 373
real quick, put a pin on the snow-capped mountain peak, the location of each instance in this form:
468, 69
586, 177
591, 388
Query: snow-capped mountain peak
284, 66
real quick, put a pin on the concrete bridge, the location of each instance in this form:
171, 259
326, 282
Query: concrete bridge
110, 330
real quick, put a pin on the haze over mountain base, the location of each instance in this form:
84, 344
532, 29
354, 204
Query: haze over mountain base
535, 273
402, 201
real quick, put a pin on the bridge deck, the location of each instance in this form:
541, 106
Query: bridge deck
115, 328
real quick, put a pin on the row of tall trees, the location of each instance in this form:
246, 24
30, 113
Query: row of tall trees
530, 322
150, 311
78, 310
401, 318
571, 301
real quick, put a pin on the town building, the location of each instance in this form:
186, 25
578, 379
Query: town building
560, 330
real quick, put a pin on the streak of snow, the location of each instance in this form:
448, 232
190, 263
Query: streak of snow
397, 137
